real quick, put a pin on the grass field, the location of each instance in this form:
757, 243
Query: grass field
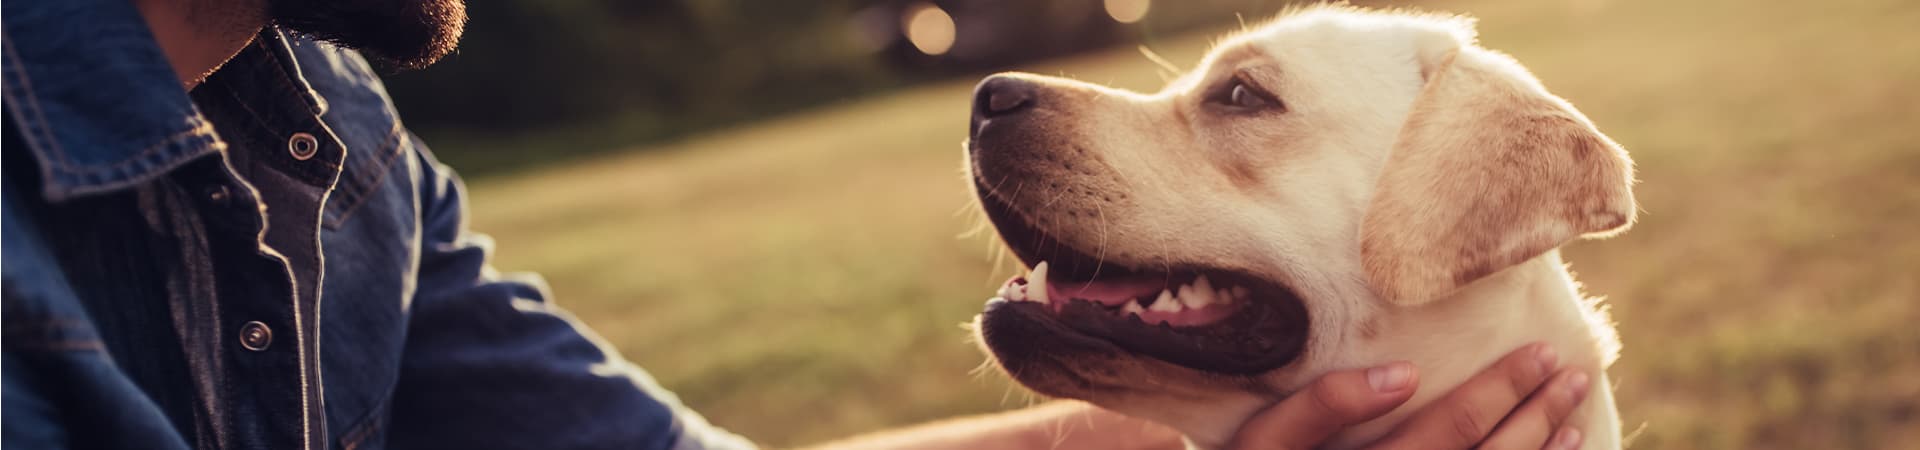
803, 278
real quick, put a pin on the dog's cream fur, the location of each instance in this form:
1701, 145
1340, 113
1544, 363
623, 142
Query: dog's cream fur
1413, 193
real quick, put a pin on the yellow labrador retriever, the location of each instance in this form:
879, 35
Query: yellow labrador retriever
1338, 188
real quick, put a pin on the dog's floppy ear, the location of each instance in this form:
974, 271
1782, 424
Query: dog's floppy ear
1489, 171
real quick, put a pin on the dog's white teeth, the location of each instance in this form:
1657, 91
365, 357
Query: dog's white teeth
1190, 296
1198, 299
1037, 283
1132, 307
1197, 295
1014, 290
1224, 297
1240, 292
1166, 302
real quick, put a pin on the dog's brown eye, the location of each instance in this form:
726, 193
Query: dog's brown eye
1240, 95
1244, 97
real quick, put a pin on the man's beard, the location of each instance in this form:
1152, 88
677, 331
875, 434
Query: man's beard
408, 34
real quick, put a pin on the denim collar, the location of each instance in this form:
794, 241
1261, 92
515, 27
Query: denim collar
95, 99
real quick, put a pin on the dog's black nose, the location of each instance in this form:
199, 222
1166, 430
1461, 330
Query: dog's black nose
1000, 95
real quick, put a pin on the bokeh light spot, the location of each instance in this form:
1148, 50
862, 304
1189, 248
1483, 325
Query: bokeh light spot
929, 28
1128, 11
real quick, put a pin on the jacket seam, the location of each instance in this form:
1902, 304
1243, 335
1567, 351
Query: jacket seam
38, 118
363, 183
366, 427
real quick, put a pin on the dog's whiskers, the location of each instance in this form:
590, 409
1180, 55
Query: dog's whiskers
1057, 194
1100, 254
1168, 71
980, 372
1006, 392
1059, 432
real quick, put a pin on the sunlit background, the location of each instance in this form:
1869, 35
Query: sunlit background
761, 203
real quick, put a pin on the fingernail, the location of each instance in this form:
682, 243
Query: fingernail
1390, 378
1577, 384
1569, 439
1545, 355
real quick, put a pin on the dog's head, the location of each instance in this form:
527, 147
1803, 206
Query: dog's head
1207, 249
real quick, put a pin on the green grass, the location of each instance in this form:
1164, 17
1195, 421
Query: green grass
802, 278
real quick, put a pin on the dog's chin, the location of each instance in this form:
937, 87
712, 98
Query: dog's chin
1047, 357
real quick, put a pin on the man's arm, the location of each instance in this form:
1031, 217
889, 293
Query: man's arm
1055, 425
489, 362
1533, 405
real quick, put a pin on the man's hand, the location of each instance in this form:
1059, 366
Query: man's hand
1518, 403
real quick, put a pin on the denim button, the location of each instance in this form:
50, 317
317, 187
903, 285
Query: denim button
256, 336
302, 146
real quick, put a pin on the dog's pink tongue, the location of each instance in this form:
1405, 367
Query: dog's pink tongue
1106, 292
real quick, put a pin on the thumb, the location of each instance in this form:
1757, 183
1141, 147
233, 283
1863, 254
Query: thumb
1334, 402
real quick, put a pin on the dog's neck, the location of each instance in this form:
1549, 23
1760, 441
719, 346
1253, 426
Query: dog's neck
1453, 339
1457, 337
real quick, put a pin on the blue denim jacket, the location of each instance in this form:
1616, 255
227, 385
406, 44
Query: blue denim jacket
270, 261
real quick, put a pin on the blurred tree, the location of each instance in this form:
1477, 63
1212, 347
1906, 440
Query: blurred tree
612, 73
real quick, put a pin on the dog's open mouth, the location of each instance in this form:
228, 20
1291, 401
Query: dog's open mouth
1208, 319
